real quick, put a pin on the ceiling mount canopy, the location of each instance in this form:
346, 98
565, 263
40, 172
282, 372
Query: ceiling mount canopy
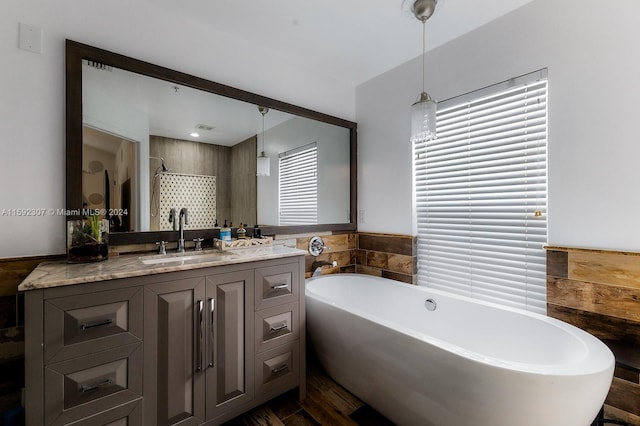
422, 9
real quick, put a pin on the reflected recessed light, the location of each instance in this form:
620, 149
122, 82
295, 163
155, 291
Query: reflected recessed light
194, 135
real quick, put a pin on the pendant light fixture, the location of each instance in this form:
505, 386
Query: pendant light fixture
263, 165
423, 111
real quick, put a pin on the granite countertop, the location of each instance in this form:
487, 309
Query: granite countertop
55, 274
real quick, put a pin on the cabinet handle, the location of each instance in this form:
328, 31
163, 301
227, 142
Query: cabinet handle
212, 332
98, 323
278, 328
279, 286
200, 337
279, 369
85, 389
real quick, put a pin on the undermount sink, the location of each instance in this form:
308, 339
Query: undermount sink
166, 259
179, 258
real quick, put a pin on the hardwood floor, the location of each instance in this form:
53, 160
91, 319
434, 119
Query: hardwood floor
327, 404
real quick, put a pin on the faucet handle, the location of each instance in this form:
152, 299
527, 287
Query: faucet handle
198, 242
162, 247
316, 246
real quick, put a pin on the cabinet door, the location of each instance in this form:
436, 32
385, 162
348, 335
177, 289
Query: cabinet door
174, 328
230, 341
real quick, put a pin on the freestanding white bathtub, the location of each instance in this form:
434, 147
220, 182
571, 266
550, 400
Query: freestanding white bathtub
465, 363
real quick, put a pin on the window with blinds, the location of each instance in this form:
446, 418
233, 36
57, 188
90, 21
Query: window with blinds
298, 186
481, 195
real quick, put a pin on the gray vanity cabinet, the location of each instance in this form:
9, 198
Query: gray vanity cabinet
191, 347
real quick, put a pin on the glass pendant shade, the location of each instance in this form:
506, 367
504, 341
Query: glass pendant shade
423, 119
263, 166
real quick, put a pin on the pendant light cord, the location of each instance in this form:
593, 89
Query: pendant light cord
263, 133
424, 49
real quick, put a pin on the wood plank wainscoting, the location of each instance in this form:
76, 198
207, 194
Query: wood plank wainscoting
390, 256
599, 291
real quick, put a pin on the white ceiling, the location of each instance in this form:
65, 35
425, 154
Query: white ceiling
353, 40
174, 111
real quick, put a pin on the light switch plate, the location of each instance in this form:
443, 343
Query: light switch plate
30, 38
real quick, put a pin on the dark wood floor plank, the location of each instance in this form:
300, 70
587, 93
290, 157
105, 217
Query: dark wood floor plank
301, 418
285, 405
316, 405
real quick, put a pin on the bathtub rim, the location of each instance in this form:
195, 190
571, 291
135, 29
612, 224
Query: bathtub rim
597, 357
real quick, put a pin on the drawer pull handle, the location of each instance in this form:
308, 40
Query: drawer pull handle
95, 324
278, 328
280, 369
85, 389
279, 286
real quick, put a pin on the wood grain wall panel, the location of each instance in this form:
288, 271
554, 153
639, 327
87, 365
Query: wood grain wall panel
595, 297
600, 293
621, 269
628, 375
601, 326
617, 414
625, 396
382, 255
399, 244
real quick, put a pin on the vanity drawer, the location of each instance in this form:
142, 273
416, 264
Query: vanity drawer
278, 369
276, 326
81, 387
276, 285
129, 414
89, 323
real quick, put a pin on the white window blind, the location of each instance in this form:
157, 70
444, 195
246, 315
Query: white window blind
481, 195
298, 187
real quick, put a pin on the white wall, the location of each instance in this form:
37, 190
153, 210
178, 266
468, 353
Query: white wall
591, 52
32, 162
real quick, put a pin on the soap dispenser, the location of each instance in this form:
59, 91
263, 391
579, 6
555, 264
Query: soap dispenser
225, 232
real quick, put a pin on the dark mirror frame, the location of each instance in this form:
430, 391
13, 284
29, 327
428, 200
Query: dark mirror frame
76, 52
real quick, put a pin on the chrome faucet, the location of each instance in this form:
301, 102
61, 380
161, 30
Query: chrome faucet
172, 219
316, 266
184, 220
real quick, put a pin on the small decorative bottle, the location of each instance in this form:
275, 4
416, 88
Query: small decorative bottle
241, 233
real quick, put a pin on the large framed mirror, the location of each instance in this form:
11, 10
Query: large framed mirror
143, 140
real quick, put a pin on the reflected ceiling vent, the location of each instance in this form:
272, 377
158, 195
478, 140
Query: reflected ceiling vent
205, 127
97, 65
